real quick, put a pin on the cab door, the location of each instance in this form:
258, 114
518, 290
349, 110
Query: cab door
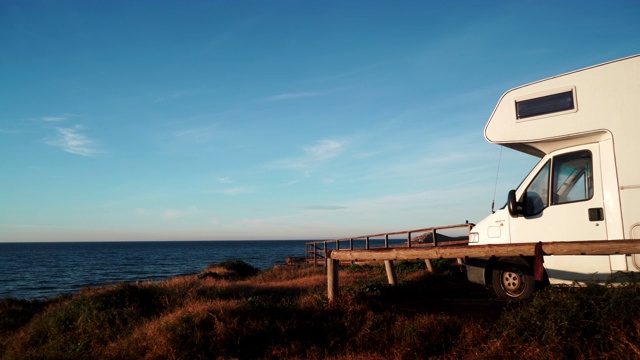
564, 202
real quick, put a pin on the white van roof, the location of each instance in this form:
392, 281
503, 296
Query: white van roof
568, 109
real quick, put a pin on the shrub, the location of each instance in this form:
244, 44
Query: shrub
284, 313
584, 322
239, 267
15, 313
408, 266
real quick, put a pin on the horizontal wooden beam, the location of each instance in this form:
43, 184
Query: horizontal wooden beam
439, 228
606, 247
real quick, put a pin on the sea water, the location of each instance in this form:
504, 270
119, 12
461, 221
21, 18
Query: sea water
41, 270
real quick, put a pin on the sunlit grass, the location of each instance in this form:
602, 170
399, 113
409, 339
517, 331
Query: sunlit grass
232, 311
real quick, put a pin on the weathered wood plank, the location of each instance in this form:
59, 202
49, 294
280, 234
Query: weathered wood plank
332, 279
606, 247
391, 272
429, 265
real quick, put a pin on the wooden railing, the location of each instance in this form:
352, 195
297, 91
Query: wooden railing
316, 251
560, 248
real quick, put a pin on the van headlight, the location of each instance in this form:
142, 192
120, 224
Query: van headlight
474, 237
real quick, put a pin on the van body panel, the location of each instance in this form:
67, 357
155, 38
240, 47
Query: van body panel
585, 128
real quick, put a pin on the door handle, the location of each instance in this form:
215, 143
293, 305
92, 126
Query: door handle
596, 214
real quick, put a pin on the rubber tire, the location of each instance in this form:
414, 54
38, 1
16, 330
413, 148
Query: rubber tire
513, 281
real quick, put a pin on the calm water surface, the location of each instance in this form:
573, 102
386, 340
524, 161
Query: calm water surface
40, 270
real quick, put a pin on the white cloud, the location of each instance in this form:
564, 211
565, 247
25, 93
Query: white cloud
325, 149
313, 155
224, 180
323, 207
294, 95
58, 118
5, 131
291, 183
53, 118
197, 135
72, 140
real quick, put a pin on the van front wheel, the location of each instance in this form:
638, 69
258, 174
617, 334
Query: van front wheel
513, 281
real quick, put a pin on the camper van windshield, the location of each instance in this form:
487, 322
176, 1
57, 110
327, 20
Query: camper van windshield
536, 196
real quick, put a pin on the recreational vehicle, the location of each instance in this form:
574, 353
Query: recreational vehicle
585, 128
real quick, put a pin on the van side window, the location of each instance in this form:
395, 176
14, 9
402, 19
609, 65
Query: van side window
572, 177
536, 196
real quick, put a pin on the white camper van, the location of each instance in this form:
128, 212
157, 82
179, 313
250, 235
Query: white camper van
585, 128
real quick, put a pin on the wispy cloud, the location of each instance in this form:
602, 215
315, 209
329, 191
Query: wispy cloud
314, 154
198, 135
236, 190
323, 207
72, 140
294, 95
58, 118
325, 149
231, 191
53, 118
12, 131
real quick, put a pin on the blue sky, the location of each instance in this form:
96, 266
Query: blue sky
167, 120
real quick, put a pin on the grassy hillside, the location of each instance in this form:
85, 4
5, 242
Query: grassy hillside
231, 310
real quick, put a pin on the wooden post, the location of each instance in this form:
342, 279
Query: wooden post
326, 257
433, 237
315, 254
391, 272
351, 248
409, 239
429, 265
366, 245
332, 279
386, 241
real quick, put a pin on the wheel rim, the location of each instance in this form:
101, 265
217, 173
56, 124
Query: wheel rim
512, 282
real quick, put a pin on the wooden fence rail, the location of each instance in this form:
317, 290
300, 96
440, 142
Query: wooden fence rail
317, 251
606, 247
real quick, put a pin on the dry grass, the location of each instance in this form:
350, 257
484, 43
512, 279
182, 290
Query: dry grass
284, 313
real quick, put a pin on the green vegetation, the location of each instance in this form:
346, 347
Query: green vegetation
283, 313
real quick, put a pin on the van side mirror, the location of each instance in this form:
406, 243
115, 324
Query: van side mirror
515, 208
